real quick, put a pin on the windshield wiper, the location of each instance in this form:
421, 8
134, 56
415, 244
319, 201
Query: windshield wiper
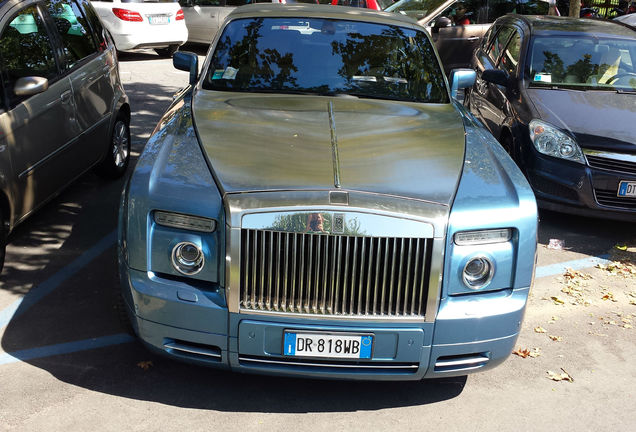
621, 91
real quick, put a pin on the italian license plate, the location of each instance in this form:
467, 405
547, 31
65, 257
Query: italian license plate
328, 345
159, 19
627, 189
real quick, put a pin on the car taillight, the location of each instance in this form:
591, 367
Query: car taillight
127, 15
179, 15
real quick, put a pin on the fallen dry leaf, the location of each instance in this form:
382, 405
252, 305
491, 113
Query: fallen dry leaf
555, 338
564, 376
627, 326
523, 353
540, 330
557, 300
609, 296
145, 365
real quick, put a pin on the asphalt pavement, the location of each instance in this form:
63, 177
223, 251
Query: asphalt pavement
66, 364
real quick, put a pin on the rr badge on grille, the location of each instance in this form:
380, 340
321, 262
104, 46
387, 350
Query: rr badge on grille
338, 224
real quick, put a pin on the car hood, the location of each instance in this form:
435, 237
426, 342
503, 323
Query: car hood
598, 119
265, 142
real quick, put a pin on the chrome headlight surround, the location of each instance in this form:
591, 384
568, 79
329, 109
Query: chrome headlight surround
550, 141
478, 271
188, 258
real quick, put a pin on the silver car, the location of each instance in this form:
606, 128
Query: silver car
63, 107
204, 17
316, 204
457, 26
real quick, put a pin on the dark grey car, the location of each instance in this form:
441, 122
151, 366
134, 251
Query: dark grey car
560, 96
63, 108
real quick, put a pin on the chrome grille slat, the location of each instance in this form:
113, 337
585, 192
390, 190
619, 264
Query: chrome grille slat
384, 275
334, 275
270, 263
293, 275
362, 273
354, 273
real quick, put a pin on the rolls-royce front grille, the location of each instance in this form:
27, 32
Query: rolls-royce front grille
334, 275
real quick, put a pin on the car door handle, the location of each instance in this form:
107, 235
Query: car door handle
66, 96
473, 38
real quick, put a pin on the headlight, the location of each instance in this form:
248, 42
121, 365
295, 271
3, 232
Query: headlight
483, 236
187, 258
478, 272
176, 220
552, 142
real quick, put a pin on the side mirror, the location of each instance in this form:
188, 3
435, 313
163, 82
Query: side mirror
461, 79
187, 61
31, 85
495, 76
441, 22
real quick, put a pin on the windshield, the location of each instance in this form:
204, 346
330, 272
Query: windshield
583, 62
326, 56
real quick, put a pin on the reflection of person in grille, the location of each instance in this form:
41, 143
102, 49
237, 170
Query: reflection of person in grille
314, 222
460, 17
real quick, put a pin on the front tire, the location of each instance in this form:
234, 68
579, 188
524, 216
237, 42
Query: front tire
118, 155
167, 52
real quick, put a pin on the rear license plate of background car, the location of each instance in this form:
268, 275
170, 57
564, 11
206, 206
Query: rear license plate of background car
328, 345
627, 189
159, 19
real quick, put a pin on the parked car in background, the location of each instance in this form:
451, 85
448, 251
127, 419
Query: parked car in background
205, 17
629, 19
316, 204
63, 108
560, 95
457, 26
144, 24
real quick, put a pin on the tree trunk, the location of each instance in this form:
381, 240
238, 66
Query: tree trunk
575, 8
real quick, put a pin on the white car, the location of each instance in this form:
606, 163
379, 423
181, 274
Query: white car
144, 24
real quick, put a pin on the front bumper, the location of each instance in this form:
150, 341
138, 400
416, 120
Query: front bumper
578, 189
129, 37
185, 322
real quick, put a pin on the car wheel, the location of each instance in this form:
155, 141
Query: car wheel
167, 52
118, 155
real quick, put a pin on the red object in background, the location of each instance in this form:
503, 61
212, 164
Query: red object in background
369, 4
127, 15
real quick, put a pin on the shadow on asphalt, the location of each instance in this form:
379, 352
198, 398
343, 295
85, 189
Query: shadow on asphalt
590, 236
114, 371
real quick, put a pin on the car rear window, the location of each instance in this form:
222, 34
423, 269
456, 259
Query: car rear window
326, 56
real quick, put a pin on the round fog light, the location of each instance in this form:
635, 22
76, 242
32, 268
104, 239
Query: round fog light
478, 272
187, 258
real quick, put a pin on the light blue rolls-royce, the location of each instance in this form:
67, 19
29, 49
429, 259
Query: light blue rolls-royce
317, 204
